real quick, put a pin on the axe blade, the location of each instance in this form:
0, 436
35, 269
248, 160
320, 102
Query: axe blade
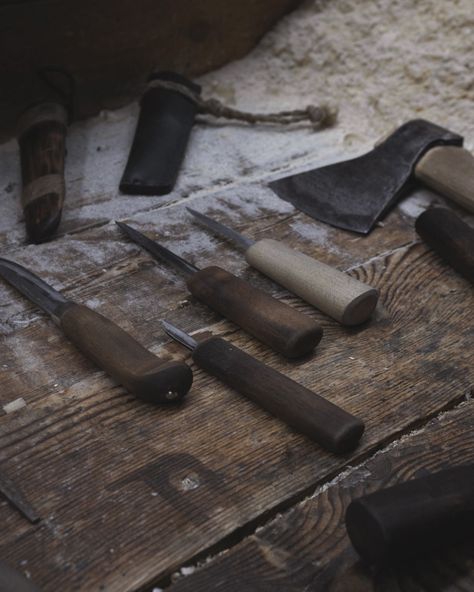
354, 194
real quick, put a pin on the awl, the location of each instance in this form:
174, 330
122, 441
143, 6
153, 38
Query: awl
142, 373
276, 324
335, 293
327, 424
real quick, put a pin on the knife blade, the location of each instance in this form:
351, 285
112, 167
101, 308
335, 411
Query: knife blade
335, 293
142, 373
327, 424
274, 323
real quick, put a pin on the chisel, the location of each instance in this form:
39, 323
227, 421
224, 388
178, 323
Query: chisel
276, 324
308, 413
335, 293
142, 373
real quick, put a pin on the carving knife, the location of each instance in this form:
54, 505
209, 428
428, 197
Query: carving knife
335, 293
142, 373
276, 324
327, 424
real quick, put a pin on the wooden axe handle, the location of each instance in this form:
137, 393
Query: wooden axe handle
332, 291
413, 517
449, 170
450, 237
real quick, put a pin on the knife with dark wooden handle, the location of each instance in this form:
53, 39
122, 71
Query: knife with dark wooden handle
414, 517
450, 237
145, 375
327, 424
41, 134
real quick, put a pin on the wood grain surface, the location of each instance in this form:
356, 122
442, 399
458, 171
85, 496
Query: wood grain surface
307, 548
131, 493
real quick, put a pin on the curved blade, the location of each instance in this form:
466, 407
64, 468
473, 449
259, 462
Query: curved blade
179, 335
32, 286
222, 230
157, 250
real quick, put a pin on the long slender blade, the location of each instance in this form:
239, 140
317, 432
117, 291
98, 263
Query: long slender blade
179, 335
32, 286
223, 230
159, 252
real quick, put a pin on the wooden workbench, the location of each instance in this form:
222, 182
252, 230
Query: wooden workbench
217, 494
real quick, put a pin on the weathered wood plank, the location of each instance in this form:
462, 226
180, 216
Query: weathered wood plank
307, 548
130, 492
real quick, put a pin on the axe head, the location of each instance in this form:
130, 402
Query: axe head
354, 194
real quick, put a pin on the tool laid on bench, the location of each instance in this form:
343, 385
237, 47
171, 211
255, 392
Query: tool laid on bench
276, 324
414, 517
450, 237
354, 194
332, 291
142, 373
305, 411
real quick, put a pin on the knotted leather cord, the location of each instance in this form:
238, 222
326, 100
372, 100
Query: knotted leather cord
320, 116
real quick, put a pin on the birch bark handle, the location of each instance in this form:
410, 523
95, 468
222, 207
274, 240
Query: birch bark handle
41, 133
276, 324
449, 170
142, 373
332, 291
305, 411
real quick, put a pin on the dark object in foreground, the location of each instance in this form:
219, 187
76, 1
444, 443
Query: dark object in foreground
414, 517
41, 134
142, 373
13, 581
278, 325
162, 134
450, 237
354, 194
308, 413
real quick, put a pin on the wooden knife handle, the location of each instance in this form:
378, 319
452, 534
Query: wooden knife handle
413, 517
308, 413
332, 291
449, 170
276, 324
42, 138
142, 373
450, 237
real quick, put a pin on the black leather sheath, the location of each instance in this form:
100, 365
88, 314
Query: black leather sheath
162, 134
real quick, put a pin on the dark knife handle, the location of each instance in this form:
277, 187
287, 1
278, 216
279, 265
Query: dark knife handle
41, 135
163, 129
450, 237
276, 324
414, 517
142, 373
306, 412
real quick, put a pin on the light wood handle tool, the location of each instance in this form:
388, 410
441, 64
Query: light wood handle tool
449, 170
278, 325
345, 299
308, 413
414, 517
450, 237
